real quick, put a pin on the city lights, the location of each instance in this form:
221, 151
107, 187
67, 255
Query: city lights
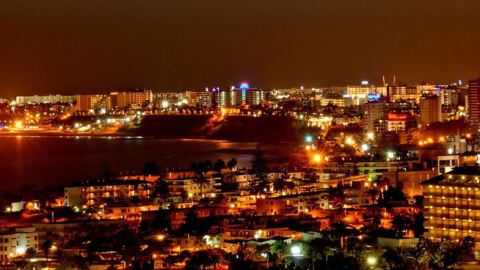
372, 260
265, 166
365, 147
349, 141
296, 250
18, 124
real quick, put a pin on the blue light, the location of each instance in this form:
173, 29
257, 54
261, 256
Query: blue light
308, 138
244, 86
373, 96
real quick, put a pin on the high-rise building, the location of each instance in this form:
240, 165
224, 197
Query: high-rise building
474, 101
87, 102
132, 97
452, 203
430, 109
372, 112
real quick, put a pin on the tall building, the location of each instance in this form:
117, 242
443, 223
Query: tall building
132, 98
474, 101
243, 95
87, 102
452, 203
430, 109
372, 112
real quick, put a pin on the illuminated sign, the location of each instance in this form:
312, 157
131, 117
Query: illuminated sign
364, 82
374, 96
394, 116
244, 86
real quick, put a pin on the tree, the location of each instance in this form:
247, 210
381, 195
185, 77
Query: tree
281, 184
336, 195
201, 169
161, 188
232, 164
373, 192
284, 163
161, 222
401, 223
398, 259
259, 169
342, 230
30, 252
150, 168
279, 249
45, 247
194, 225
219, 165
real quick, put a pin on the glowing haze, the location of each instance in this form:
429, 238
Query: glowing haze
96, 46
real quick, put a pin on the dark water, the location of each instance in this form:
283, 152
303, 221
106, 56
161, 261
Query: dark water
58, 161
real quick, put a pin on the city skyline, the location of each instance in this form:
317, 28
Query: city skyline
86, 47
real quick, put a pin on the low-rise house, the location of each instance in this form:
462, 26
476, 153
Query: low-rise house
127, 211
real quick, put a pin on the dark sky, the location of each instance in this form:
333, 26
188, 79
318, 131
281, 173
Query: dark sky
59, 46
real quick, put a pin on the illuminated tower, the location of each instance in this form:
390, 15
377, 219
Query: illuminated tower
474, 101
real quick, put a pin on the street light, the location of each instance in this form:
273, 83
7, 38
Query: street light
349, 141
317, 158
309, 138
371, 261
365, 147
296, 250
390, 155
265, 255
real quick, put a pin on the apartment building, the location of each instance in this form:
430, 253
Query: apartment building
16, 241
96, 193
452, 203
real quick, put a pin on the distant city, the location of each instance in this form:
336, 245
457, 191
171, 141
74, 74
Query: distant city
365, 176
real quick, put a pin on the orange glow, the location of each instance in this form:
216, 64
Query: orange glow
18, 124
317, 158
394, 116
307, 147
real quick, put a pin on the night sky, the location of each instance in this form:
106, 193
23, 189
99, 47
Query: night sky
60, 46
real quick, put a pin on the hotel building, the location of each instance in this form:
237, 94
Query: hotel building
452, 204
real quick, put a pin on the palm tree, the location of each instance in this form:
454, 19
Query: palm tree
281, 184
201, 169
219, 165
279, 250
398, 258
232, 164
342, 230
